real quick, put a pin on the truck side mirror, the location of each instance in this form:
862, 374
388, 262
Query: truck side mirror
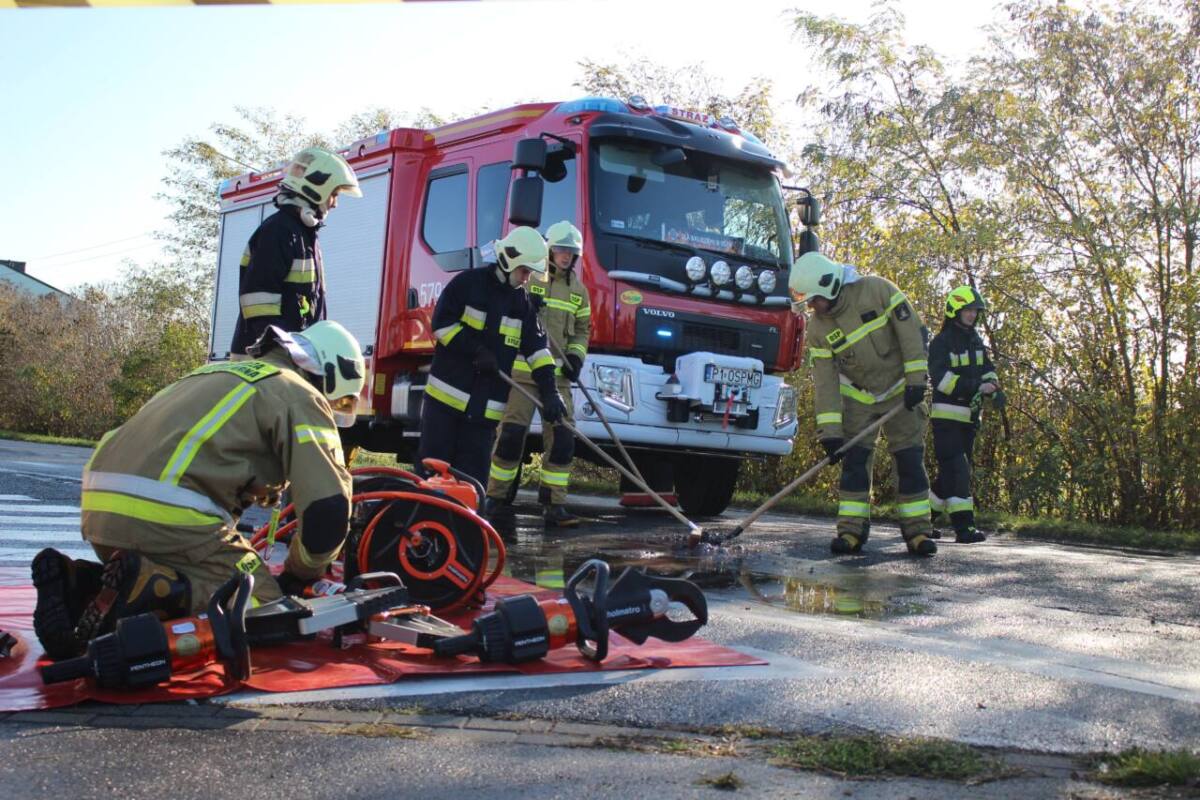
525, 201
810, 211
808, 243
530, 154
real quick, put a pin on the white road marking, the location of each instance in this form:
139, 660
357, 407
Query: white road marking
27, 519
15, 497
781, 667
24, 555
40, 535
38, 508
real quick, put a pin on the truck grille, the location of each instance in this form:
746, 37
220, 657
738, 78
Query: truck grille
711, 338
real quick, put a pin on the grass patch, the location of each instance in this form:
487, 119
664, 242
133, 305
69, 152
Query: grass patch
42, 439
1076, 532
1148, 768
866, 756
669, 745
728, 781
381, 730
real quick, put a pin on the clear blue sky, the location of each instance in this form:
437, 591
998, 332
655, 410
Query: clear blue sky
91, 98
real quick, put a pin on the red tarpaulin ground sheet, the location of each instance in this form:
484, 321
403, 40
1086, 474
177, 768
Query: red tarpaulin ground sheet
316, 664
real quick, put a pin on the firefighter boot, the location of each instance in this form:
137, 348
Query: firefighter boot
921, 545
847, 542
968, 536
496, 511
133, 584
554, 514
64, 588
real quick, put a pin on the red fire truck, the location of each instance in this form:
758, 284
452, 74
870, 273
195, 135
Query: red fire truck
687, 251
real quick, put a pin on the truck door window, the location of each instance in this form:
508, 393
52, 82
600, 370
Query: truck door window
558, 198
491, 191
444, 227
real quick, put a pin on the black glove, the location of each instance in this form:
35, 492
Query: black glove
913, 396
999, 399
553, 408
832, 445
485, 361
572, 368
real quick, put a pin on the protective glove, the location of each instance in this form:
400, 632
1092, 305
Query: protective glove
553, 408
913, 396
999, 399
832, 445
485, 361
573, 367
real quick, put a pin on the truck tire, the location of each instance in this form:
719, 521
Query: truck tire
705, 484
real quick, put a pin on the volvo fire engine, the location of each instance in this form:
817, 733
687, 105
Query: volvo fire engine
687, 247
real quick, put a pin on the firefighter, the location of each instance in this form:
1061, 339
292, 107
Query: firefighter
867, 348
162, 493
282, 280
962, 375
566, 315
483, 320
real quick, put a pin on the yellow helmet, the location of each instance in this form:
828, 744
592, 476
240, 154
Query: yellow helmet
565, 235
522, 247
961, 298
315, 174
815, 275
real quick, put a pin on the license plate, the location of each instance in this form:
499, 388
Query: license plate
733, 376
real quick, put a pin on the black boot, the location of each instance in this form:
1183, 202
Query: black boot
846, 543
557, 516
968, 536
64, 588
921, 545
494, 509
133, 584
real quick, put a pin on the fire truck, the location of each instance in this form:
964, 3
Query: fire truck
687, 247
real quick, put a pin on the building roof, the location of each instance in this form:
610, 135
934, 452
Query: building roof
13, 272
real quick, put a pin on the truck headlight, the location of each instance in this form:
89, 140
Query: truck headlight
785, 408
766, 281
616, 386
695, 269
720, 273
744, 277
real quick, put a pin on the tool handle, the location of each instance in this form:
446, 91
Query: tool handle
612, 462
807, 476
69, 670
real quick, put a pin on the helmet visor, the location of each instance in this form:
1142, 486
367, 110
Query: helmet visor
345, 410
349, 190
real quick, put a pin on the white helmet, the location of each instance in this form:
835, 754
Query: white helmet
815, 275
332, 357
522, 247
564, 236
315, 173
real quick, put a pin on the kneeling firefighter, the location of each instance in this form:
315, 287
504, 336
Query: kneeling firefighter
483, 320
566, 315
962, 375
163, 492
866, 344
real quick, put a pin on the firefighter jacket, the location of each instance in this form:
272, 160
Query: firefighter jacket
958, 365
866, 350
206, 447
566, 315
282, 281
479, 309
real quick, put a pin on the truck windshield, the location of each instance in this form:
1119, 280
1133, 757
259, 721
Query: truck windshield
689, 198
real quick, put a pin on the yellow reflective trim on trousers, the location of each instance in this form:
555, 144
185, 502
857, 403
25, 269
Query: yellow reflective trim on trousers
576, 347
501, 474
916, 366
494, 413
203, 430
443, 397
853, 508
145, 510
863, 330
541, 358
960, 504
936, 503
820, 352
830, 418
521, 365
318, 435
950, 412
917, 508
262, 310
555, 478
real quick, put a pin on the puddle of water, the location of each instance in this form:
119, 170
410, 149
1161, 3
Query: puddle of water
548, 558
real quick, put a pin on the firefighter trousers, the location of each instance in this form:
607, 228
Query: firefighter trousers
447, 434
953, 446
558, 448
905, 434
205, 557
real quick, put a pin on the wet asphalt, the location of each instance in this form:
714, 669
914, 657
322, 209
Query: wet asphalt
1009, 643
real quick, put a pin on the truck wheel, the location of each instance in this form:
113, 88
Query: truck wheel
705, 484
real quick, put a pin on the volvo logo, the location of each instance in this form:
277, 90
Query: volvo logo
658, 312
